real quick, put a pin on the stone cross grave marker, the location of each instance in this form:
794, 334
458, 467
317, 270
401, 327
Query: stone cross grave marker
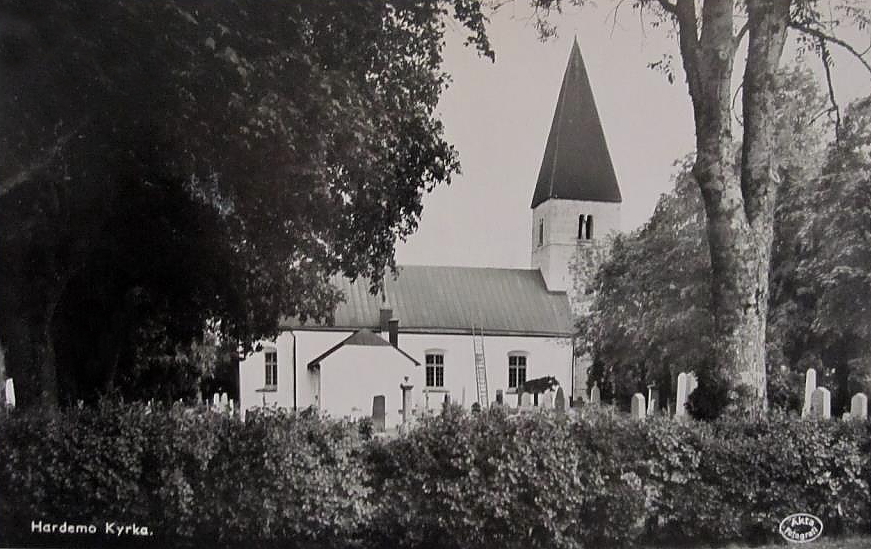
519, 398
595, 394
379, 414
859, 406
810, 384
559, 401
406, 388
638, 408
821, 403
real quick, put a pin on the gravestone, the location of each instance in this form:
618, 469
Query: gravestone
500, 397
859, 406
680, 410
638, 409
810, 384
595, 394
225, 401
821, 403
10, 393
559, 401
526, 400
547, 400
216, 400
652, 400
379, 414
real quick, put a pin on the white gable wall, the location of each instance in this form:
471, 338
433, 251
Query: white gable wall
351, 377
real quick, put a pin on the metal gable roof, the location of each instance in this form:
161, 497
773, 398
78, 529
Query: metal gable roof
361, 338
436, 299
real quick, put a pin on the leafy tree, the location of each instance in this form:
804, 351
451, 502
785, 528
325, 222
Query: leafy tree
650, 318
173, 162
739, 196
651, 314
820, 279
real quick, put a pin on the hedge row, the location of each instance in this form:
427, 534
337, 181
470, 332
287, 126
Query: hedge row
458, 480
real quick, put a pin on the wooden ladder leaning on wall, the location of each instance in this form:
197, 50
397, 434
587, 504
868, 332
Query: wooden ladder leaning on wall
480, 367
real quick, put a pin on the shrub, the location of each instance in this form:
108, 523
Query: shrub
596, 479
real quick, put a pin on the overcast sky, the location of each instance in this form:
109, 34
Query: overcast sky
498, 117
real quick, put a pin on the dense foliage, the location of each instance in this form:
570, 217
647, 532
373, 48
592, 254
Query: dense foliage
651, 314
457, 480
173, 163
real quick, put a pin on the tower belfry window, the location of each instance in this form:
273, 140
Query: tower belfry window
589, 227
581, 225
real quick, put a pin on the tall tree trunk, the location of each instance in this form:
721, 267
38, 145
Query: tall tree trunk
739, 208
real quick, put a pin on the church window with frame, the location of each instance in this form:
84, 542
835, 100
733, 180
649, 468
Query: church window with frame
516, 369
271, 367
581, 226
541, 232
435, 369
589, 227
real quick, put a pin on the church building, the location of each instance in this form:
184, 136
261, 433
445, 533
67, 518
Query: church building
460, 331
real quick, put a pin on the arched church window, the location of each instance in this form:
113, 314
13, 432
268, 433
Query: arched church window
589, 228
581, 225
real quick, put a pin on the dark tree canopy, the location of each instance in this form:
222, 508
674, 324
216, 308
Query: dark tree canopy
173, 163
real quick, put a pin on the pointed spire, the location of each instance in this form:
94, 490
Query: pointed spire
576, 164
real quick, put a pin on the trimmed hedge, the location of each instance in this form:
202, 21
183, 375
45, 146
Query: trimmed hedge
458, 480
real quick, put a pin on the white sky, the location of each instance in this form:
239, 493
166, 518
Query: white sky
498, 117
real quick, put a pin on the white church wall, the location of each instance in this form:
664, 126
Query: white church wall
546, 356
252, 375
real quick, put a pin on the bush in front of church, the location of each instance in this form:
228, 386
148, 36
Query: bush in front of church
493, 479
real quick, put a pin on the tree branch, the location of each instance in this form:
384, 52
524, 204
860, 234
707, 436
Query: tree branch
741, 33
826, 57
820, 35
668, 7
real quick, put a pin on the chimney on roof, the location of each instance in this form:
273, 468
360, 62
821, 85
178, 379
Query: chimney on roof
384, 319
393, 328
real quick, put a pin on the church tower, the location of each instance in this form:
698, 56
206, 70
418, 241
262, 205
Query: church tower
577, 199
